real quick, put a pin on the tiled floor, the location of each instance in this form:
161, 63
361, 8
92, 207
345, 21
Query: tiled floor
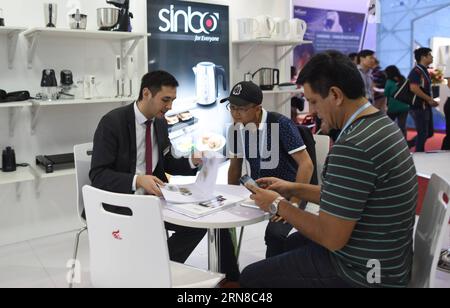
42, 263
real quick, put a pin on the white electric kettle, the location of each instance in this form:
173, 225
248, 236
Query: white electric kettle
266, 27
247, 28
298, 29
282, 29
207, 82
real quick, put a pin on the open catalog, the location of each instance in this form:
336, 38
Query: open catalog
200, 198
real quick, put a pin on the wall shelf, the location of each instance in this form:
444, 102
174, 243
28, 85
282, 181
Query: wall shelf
37, 105
41, 175
277, 91
33, 35
12, 35
290, 44
13, 109
284, 92
21, 175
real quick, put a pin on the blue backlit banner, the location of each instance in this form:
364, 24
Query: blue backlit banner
328, 29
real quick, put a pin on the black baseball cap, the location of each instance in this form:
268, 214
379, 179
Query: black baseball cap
245, 93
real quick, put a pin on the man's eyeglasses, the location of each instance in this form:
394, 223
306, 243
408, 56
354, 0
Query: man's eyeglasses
235, 109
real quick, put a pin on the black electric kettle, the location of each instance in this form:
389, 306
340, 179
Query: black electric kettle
267, 78
8, 160
49, 78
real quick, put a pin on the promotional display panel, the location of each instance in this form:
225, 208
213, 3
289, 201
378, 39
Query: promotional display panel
191, 41
328, 29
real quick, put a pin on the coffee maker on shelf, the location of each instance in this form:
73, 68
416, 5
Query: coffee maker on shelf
124, 24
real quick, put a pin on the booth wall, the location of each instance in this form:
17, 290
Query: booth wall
33, 209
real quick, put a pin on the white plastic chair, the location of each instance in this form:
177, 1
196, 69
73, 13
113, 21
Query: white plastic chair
322, 149
131, 251
82, 154
430, 233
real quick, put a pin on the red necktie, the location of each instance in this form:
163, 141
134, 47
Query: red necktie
148, 149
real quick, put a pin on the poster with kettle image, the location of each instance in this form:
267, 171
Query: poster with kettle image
191, 41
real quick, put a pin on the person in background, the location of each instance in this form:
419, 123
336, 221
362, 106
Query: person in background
446, 142
421, 110
132, 154
379, 82
354, 57
366, 64
367, 202
294, 163
397, 110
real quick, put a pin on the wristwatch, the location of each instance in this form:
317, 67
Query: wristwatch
273, 209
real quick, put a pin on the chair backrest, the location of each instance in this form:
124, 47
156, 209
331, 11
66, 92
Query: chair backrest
126, 251
322, 149
83, 156
430, 233
308, 140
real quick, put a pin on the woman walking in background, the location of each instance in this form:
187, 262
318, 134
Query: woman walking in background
446, 143
397, 110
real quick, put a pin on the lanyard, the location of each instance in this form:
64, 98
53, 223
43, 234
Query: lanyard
353, 117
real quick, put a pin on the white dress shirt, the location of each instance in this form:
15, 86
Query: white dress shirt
141, 130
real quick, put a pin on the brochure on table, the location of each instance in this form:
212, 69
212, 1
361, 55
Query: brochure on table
200, 198
200, 191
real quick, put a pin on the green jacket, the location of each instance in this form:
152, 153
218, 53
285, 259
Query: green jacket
394, 106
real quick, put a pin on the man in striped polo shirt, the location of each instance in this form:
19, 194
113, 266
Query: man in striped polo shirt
363, 234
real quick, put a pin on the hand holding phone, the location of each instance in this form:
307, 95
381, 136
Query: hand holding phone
248, 180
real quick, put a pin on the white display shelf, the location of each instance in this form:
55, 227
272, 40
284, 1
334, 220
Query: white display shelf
15, 104
271, 42
84, 34
13, 108
32, 35
37, 105
278, 91
284, 92
290, 44
12, 34
108, 100
40, 173
22, 174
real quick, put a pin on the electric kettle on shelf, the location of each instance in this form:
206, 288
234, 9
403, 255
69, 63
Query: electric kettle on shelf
267, 78
207, 82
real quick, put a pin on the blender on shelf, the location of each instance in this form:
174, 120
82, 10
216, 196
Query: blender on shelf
115, 19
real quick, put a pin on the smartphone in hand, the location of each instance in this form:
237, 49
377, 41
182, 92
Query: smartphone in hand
248, 180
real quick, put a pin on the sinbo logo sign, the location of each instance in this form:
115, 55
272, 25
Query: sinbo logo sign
190, 21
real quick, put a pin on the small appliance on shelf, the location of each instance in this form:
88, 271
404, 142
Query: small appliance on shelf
51, 163
8, 160
115, 19
66, 85
2, 19
78, 21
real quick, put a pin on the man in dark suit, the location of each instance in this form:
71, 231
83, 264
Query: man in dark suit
132, 153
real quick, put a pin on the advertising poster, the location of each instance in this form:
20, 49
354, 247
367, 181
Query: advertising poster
328, 29
191, 41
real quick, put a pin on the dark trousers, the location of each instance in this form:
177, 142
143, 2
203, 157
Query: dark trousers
401, 118
423, 119
305, 264
183, 242
446, 143
275, 237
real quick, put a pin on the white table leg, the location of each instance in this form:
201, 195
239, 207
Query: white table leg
214, 250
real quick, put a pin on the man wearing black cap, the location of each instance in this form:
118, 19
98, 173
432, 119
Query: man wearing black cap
271, 145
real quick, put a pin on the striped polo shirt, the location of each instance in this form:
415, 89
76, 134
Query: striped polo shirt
370, 178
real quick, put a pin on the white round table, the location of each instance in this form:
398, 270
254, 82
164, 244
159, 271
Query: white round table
232, 217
